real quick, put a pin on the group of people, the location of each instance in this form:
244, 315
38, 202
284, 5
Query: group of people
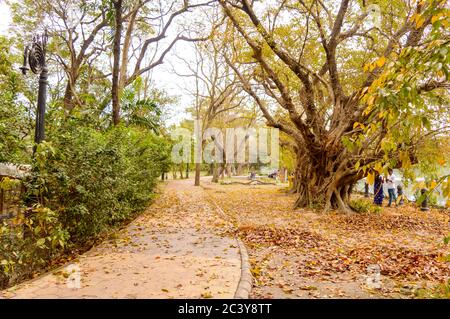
378, 188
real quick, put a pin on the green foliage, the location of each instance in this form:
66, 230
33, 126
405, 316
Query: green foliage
431, 197
407, 105
140, 112
7, 183
29, 242
86, 181
14, 126
364, 206
447, 240
97, 179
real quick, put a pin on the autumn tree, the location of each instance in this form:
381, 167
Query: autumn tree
355, 95
140, 44
215, 90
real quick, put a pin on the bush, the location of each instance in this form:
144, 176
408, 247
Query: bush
362, 205
85, 182
95, 180
28, 243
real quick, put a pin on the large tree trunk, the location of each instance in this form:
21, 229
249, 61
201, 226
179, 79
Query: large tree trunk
326, 183
70, 99
116, 66
229, 170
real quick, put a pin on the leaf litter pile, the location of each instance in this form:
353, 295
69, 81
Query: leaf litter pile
307, 254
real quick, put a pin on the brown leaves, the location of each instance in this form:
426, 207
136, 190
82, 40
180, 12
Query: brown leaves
401, 262
288, 237
362, 222
303, 248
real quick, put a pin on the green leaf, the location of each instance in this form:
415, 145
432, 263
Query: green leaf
40, 242
447, 240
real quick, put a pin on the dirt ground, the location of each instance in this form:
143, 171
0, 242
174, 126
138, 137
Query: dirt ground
398, 252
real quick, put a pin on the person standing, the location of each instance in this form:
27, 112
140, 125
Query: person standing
378, 190
390, 181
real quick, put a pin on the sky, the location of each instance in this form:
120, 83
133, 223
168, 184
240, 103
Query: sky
162, 76
5, 18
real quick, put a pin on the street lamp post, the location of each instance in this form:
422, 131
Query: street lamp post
34, 57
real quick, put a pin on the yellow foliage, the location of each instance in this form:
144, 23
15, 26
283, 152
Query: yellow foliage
404, 158
381, 61
378, 167
370, 178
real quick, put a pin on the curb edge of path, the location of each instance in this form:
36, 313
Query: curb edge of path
245, 283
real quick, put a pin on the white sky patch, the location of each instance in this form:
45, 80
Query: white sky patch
5, 18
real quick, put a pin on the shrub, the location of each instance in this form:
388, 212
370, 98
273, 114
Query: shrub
85, 181
96, 179
29, 242
362, 205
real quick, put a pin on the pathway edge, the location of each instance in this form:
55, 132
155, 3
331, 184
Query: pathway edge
245, 283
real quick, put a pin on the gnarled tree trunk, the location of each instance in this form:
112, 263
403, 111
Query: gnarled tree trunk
326, 182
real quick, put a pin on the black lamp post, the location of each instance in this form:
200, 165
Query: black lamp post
34, 57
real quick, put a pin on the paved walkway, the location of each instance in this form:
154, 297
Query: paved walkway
174, 250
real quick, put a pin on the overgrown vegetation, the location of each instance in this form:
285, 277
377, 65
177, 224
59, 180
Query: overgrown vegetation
84, 182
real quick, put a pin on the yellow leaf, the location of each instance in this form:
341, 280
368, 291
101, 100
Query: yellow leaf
370, 178
381, 61
404, 158
366, 67
419, 22
378, 167
433, 184
434, 19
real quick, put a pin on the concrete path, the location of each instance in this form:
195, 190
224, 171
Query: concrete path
174, 250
